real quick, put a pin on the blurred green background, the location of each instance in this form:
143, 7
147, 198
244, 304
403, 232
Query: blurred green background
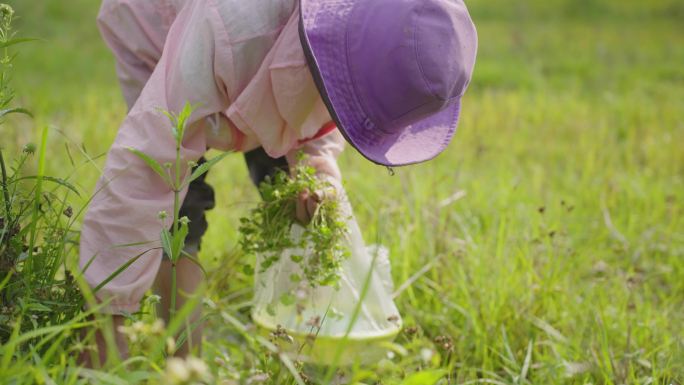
554, 220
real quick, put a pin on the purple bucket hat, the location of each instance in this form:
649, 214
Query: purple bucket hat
391, 72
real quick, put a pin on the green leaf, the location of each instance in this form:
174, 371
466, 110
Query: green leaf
174, 122
427, 377
12, 42
178, 241
194, 260
6, 280
248, 269
153, 164
166, 243
19, 110
266, 264
36, 306
204, 167
182, 120
287, 299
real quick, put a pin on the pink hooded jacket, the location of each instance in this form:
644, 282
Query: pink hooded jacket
242, 63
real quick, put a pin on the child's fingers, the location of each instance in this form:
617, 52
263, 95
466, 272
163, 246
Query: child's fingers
311, 206
301, 210
308, 203
327, 193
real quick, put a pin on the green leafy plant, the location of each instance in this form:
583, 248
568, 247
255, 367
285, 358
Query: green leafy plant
177, 177
36, 287
267, 228
7, 39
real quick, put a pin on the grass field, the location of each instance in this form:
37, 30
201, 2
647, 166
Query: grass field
550, 233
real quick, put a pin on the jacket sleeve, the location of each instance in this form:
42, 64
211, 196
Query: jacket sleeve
135, 32
129, 195
322, 154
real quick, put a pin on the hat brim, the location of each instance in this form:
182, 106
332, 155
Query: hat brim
320, 34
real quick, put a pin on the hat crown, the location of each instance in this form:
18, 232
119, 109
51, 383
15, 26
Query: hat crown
409, 59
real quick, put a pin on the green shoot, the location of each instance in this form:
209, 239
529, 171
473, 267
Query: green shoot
173, 239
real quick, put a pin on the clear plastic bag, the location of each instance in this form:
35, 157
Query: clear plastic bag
344, 324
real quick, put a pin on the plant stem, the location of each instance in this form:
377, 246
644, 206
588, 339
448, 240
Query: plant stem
5, 191
176, 214
172, 311
37, 199
176, 191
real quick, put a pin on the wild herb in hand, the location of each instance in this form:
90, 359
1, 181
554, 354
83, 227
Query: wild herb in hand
267, 229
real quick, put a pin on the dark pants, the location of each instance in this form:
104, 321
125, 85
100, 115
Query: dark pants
200, 197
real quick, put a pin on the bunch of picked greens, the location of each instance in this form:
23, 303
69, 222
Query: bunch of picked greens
267, 229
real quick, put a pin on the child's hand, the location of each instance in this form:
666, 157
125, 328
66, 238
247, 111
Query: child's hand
322, 155
307, 204
308, 201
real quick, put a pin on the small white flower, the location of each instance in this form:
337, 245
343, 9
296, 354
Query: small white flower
157, 327
170, 346
129, 333
426, 354
176, 371
198, 368
138, 327
188, 371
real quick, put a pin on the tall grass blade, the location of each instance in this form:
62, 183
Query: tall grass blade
118, 271
58, 181
5, 192
8, 111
